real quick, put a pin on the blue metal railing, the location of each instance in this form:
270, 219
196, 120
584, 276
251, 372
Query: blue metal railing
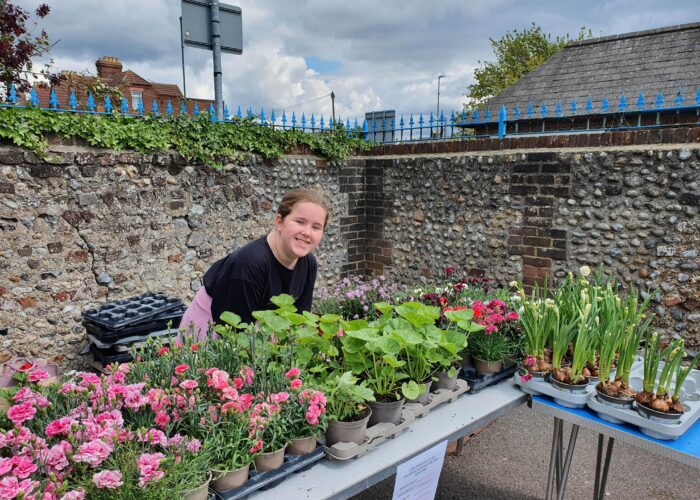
459, 125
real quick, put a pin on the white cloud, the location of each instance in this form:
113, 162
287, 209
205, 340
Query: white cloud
390, 51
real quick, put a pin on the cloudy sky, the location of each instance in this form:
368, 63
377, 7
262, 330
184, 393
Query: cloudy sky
374, 54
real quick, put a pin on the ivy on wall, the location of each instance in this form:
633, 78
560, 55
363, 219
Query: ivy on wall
195, 138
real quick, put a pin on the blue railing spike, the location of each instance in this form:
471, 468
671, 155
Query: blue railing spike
420, 120
530, 110
679, 100
330, 123
442, 117
169, 108
623, 103
72, 100
294, 120
34, 98
90, 102
355, 125
383, 123
640, 101
574, 107
660, 100
605, 106
589, 105
401, 122
227, 114
154, 108
347, 124
13, 94
312, 121
321, 123
195, 111
410, 121
544, 111
393, 123
502, 122
475, 115
365, 129
212, 112
558, 109
139, 107
697, 97
487, 115
273, 118
238, 113
303, 120
53, 99
516, 112
125, 106
108, 105
183, 108
284, 118
431, 120
374, 125
262, 116
250, 112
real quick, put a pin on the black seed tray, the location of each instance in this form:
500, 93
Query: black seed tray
111, 355
476, 383
130, 311
152, 324
270, 479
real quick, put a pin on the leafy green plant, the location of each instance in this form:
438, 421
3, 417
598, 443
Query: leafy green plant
197, 139
228, 444
490, 346
345, 396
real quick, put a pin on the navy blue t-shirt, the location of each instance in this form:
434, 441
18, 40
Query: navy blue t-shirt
246, 280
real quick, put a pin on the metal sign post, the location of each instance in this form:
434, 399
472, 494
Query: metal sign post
208, 24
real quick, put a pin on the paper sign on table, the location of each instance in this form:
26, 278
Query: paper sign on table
417, 479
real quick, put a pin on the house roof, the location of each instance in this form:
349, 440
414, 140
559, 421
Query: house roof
663, 60
167, 89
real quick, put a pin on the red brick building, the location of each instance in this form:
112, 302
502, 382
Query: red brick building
112, 79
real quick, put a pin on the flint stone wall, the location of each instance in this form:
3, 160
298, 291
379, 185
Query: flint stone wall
83, 226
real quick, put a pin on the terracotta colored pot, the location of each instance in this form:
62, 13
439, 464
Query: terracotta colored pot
270, 461
386, 412
347, 432
302, 446
226, 480
201, 492
486, 367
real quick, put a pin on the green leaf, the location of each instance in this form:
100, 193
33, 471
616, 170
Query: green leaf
282, 300
230, 318
410, 389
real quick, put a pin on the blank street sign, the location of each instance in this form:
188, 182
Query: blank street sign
196, 26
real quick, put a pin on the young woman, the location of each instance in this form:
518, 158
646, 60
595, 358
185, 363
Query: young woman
280, 262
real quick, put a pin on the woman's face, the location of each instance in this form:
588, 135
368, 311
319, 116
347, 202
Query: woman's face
301, 230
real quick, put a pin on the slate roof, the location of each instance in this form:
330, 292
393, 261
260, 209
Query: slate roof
659, 60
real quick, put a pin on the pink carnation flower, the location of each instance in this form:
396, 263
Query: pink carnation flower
93, 452
295, 384
60, 427
189, 384
512, 316
194, 446
74, 495
21, 413
38, 375
181, 369
148, 468
24, 467
293, 372
111, 479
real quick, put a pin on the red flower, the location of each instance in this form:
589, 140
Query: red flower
162, 351
442, 301
25, 367
194, 347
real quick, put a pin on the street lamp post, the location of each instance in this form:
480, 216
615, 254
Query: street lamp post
437, 116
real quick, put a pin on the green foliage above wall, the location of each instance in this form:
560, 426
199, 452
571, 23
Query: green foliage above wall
195, 138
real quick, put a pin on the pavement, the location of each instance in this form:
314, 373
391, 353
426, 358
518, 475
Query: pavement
509, 460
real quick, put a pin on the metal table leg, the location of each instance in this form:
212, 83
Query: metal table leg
567, 464
559, 471
553, 456
599, 488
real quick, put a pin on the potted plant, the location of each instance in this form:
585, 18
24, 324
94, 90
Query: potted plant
537, 316
488, 351
268, 430
305, 413
189, 469
453, 344
346, 407
571, 378
563, 333
660, 403
228, 446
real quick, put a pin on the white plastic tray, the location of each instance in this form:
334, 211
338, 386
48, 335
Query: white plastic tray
690, 396
540, 386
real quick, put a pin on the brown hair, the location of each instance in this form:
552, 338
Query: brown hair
300, 196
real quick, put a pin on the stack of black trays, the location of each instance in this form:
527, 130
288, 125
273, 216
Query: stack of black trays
115, 327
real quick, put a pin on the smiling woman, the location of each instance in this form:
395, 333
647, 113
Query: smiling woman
280, 262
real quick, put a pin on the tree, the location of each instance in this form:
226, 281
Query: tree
19, 45
517, 53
